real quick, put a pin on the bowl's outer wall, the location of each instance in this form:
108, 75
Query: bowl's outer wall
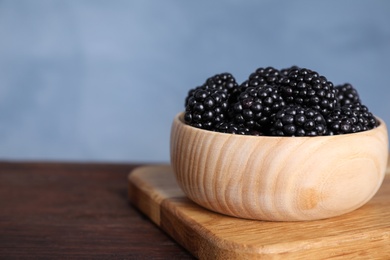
278, 178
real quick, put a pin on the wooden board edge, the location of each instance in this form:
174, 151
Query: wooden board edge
189, 233
205, 245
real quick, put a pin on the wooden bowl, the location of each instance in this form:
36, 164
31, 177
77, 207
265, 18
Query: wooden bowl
278, 178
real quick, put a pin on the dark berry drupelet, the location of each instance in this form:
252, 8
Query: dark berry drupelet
295, 120
350, 118
346, 94
309, 89
256, 107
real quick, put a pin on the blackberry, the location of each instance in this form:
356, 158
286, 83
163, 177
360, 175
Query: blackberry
206, 105
261, 76
309, 89
256, 106
295, 120
206, 108
346, 94
350, 118
223, 81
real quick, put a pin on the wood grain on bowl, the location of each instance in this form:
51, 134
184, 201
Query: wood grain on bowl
278, 178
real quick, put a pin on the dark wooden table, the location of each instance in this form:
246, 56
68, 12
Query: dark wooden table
54, 210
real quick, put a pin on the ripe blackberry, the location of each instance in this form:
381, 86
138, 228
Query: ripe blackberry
309, 89
206, 108
295, 120
350, 118
223, 81
346, 94
261, 76
256, 106
206, 105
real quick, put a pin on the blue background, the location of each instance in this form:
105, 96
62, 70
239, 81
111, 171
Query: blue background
102, 80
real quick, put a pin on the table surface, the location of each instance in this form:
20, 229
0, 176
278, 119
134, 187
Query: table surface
75, 210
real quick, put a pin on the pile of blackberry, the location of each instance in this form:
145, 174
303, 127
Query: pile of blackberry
291, 101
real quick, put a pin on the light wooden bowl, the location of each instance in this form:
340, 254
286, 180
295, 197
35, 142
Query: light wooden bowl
278, 178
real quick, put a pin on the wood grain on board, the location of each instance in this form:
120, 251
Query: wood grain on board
363, 233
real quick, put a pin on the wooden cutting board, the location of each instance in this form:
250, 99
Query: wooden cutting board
361, 234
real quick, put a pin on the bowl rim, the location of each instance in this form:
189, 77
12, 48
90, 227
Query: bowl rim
179, 118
